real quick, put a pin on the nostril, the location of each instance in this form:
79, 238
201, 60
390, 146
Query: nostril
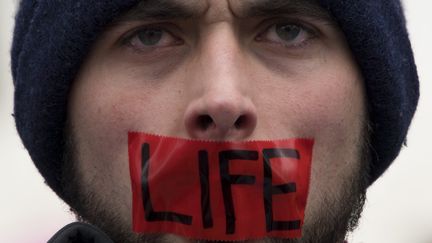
240, 122
204, 122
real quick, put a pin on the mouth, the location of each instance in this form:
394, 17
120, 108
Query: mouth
219, 190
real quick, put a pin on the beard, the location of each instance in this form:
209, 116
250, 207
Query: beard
339, 211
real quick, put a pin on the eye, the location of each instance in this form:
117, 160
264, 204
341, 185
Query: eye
152, 37
286, 34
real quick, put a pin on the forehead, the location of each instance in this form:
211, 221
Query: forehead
236, 8
255, 7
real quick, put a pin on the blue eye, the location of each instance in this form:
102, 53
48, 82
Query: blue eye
150, 37
286, 34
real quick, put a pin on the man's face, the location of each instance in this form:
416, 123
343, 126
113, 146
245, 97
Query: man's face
219, 70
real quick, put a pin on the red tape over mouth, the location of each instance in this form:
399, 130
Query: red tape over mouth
212, 190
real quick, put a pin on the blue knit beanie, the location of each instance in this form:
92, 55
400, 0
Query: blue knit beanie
52, 38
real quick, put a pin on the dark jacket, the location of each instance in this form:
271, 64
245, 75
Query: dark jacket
80, 233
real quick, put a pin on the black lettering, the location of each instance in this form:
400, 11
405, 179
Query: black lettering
205, 189
270, 189
227, 180
150, 214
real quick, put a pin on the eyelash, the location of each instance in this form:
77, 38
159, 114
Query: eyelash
310, 31
306, 29
127, 39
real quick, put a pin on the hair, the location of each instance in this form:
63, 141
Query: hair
330, 228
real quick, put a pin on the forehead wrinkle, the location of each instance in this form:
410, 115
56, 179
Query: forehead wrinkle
261, 8
165, 9
218, 10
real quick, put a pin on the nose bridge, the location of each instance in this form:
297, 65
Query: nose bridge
221, 57
223, 109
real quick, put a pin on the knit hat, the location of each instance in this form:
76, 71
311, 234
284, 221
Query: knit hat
52, 38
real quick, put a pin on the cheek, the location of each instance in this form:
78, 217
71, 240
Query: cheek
102, 110
336, 120
335, 117
334, 109
326, 104
98, 121
100, 136
105, 108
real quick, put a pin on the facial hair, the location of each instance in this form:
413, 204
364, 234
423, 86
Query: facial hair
339, 213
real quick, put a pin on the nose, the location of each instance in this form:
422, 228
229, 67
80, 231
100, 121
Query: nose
218, 118
223, 108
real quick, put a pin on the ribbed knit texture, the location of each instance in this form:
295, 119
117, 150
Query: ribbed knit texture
51, 40
376, 32
53, 37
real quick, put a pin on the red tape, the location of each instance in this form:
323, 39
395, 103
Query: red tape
213, 190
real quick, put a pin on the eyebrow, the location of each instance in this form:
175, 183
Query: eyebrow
181, 9
263, 8
160, 9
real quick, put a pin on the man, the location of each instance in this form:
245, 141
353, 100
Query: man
87, 73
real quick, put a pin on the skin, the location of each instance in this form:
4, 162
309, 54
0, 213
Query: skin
218, 77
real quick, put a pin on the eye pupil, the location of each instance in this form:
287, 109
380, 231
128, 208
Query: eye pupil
150, 37
288, 32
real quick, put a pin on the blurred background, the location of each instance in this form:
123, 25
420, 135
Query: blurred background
399, 204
